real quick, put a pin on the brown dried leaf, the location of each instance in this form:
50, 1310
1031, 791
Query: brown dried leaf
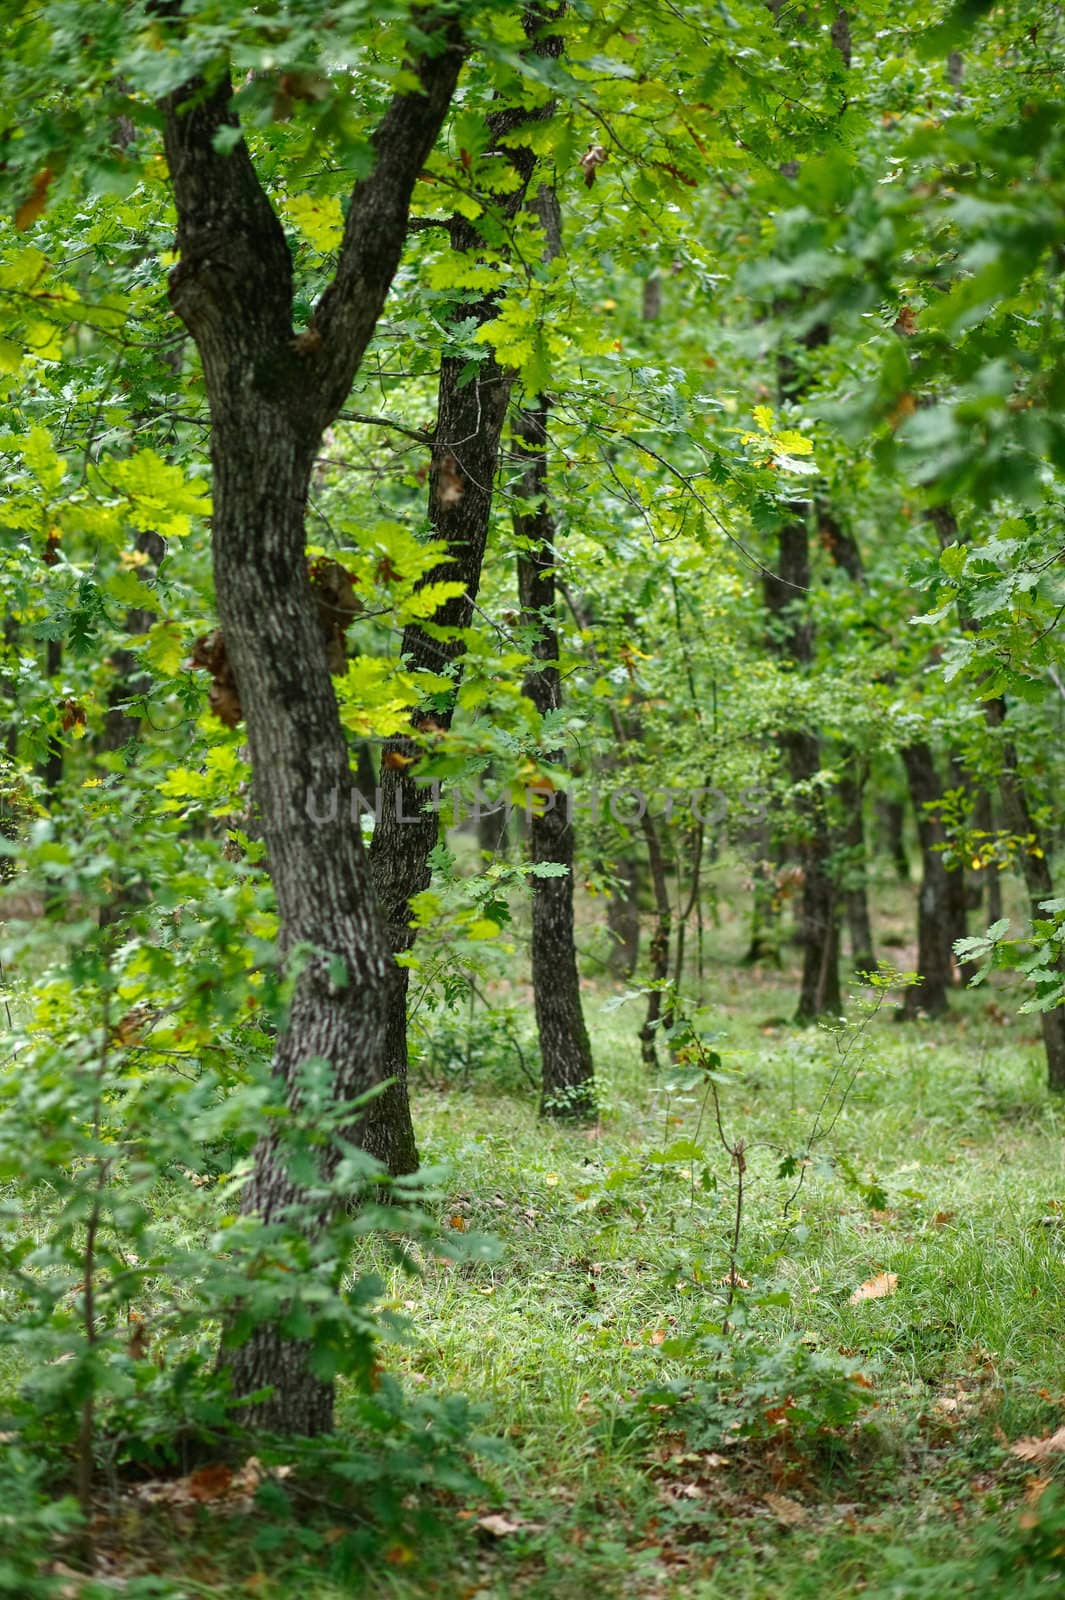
875, 1288
789, 1512
498, 1525
1040, 1449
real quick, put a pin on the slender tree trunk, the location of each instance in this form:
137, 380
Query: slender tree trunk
792, 636
272, 393
990, 876
462, 474
51, 769
765, 906
658, 1016
623, 919
465, 457
934, 950
855, 893
565, 1050
893, 813
1021, 823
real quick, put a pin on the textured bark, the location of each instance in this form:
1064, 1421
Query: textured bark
568, 1073
272, 393
1017, 814
934, 950
462, 473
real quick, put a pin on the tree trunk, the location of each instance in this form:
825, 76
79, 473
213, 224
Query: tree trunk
1018, 817
623, 918
300, 763
991, 877
855, 891
462, 474
470, 416
893, 815
792, 636
657, 1017
765, 906
934, 950
272, 393
565, 1050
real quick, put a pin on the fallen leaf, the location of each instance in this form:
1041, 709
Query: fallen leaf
209, 1483
789, 1512
498, 1525
1040, 1449
875, 1288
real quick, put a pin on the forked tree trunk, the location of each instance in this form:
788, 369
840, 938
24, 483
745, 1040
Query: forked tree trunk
568, 1073
272, 393
934, 912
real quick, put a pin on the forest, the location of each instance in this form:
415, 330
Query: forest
532, 876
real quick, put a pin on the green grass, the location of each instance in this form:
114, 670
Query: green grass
558, 1337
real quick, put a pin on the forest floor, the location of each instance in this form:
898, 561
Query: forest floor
788, 1477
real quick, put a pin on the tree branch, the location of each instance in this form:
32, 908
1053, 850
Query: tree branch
378, 220
234, 278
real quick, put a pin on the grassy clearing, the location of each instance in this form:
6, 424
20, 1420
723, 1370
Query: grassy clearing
606, 1263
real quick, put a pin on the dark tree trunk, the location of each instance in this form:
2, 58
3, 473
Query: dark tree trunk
990, 876
566, 1054
957, 884
623, 918
934, 950
51, 768
792, 637
765, 904
272, 393
1018, 817
465, 456
462, 474
855, 884
659, 1010
893, 813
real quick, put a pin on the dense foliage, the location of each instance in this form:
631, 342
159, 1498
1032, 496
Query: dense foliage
501, 506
